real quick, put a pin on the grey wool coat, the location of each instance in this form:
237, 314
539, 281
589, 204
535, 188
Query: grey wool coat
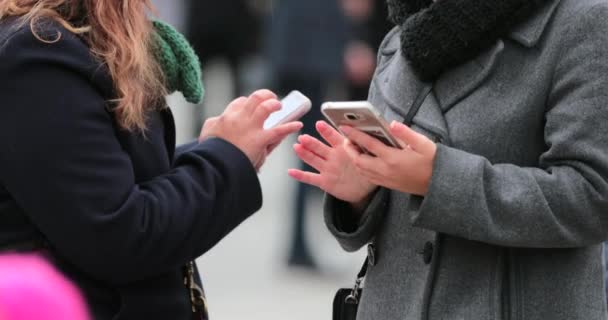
513, 224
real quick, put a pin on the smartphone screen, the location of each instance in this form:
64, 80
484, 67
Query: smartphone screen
294, 106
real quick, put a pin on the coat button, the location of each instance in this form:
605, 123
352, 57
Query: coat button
371, 254
427, 253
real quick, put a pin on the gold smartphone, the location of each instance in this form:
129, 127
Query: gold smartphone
360, 115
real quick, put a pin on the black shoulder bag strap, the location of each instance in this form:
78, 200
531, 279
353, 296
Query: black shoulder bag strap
346, 301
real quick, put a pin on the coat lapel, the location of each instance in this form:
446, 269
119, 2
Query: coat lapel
395, 81
456, 84
459, 82
430, 118
395, 87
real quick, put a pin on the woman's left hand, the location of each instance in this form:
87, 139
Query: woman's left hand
408, 170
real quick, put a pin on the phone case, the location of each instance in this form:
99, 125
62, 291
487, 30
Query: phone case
295, 106
361, 115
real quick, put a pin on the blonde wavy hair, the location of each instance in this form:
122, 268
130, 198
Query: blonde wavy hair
119, 34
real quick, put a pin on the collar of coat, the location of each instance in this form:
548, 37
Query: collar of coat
438, 36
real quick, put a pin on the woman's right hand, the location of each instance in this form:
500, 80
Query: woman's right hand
242, 124
337, 174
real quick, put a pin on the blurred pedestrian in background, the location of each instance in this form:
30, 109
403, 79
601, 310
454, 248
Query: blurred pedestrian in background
368, 21
223, 29
31, 289
305, 46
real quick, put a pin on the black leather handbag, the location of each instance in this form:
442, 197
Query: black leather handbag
346, 301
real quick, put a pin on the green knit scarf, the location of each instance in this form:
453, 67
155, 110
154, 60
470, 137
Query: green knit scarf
179, 62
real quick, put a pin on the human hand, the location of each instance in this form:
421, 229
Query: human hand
242, 124
337, 173
408, 170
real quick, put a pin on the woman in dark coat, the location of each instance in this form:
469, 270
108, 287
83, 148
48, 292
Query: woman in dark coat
89, 173
497, 206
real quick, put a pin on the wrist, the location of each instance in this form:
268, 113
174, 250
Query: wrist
202, 139
360, 205
246, 152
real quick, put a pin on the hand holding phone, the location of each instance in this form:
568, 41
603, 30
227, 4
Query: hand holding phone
241, 125
360, 115
294, 106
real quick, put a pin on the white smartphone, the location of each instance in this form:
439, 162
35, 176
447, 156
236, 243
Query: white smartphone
294, 106
360, 115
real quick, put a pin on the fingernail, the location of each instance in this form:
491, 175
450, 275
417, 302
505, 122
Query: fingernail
346, 130
321, 126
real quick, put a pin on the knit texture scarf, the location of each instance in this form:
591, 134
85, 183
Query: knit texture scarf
178, 61
437, 36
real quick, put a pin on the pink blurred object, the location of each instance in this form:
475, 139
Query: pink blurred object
31, 289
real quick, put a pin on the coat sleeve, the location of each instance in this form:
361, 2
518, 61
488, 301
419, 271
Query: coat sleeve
562, 203
186, 147
62, 163
355, 230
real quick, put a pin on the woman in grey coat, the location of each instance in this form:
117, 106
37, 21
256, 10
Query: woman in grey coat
498, 206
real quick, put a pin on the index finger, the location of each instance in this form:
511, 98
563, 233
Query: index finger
265, 109
257, 98
279, 133
329, 134
366, 141
415, 140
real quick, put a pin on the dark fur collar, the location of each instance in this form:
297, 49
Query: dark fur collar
438, 36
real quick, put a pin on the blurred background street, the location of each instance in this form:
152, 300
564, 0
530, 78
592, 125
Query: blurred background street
282, 263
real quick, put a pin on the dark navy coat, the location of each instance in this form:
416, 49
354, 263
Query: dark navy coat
120, 212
